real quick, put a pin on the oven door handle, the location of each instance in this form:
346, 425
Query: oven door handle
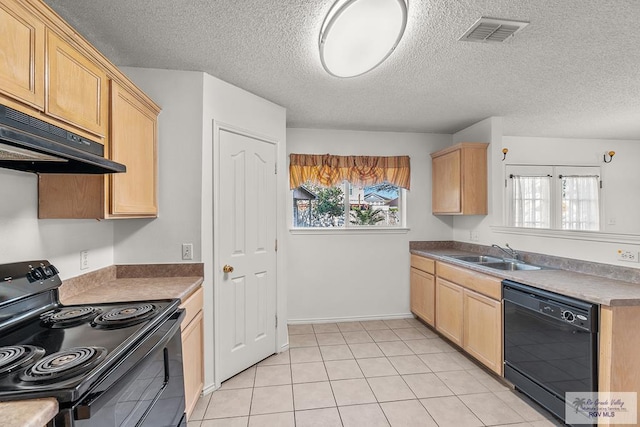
95, 402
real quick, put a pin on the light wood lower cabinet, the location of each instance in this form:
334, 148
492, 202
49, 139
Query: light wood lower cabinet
423, 295
193, 349
483, 329
449, 310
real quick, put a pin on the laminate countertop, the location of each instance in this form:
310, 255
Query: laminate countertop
595, 289
38, 412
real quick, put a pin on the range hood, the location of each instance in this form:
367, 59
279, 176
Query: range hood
32, 145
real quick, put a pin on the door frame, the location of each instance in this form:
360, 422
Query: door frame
216, 267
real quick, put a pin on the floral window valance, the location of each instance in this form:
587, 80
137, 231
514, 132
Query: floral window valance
329, 170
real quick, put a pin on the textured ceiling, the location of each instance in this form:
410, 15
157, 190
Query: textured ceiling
573, 72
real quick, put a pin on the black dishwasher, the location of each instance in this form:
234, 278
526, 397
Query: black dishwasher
550, 344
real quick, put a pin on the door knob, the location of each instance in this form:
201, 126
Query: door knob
227, 269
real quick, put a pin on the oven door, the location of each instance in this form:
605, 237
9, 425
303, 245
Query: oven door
145, 389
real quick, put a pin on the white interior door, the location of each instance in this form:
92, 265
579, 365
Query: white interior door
247, 232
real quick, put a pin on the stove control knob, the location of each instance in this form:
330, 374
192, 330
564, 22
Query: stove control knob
568, 316
36, 274
49, 270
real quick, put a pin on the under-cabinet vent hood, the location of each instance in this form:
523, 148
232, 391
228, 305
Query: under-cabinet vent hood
32, 145
492, 30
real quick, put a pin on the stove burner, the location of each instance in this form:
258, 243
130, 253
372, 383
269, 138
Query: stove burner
64, 364
125, 316
18, 356
66, 317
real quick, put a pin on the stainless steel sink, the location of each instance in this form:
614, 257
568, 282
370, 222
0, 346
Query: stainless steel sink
511, 266
475, 258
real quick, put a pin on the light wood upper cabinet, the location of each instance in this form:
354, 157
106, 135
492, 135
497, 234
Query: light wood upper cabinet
21, 54
459, 179
77, 88
449, 310
483, 329
423, 294
134, 144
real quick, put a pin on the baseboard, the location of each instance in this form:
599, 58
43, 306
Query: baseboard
284, 347
350, 319
209, 389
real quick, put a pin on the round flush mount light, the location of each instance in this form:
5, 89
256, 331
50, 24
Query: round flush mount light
358, 35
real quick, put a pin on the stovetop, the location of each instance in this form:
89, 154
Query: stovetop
48, 349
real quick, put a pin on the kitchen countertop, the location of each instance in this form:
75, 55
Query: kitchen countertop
595, 289
28, 413
137, 289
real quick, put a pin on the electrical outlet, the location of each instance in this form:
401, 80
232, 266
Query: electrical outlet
84, 260
187, 251
473, 236
629, 256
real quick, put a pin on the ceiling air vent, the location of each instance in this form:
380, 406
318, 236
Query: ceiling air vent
492, 30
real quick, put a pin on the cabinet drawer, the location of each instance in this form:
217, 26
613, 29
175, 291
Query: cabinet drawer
481, 283
421, 263
192, 305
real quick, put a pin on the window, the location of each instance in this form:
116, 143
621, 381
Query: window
327, 207
563, 197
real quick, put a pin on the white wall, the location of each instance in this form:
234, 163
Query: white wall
621, 178
352, 276
25, 237
139, 241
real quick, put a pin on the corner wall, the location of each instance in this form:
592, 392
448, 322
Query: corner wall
344, 276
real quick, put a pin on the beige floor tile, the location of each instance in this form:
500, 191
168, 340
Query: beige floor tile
305, 354
323, 328
394, 348
376, 367
440, 362
357, 337
276, 359
194, 423
462, 360
336, 352
410, 364
273, 375
426, 332
427, 385
374, 325
369, 415
343, 369
490, 409
408, 334
229, 403
549, 422
488, 380
201, 407
362, 351
333, 338
308, 372
350, 326
450, 412
414, 322
425, 346
352, 392
397, 324
302, 340
523, 406
445, 346
244, 379
313, 396
284, 419
407, 413
327, 417
300, 329
382, 335
226, 422
461, 382
268, 400
387, 389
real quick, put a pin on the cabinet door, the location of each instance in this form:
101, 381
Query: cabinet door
449, 310
423, 293
132, 143
483, 329
192, 362
76, 87
447, 184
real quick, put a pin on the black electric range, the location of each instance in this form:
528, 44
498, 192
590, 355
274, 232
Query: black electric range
114, 364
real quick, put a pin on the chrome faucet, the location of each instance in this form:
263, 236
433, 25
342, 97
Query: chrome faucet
511, 252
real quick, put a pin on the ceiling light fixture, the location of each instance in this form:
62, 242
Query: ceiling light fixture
358, 35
